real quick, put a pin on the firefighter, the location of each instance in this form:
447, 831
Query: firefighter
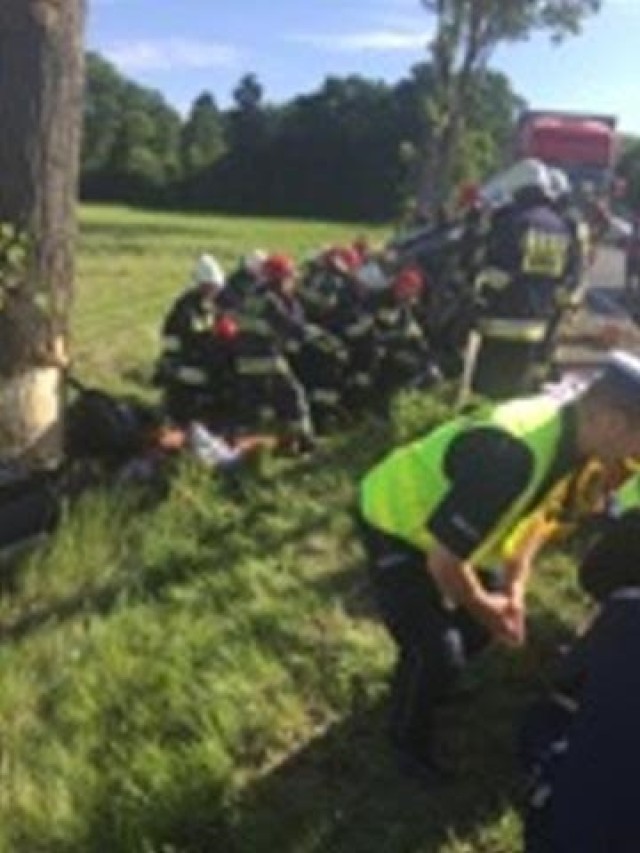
566, 204
187, 341
317, 356
436, 512
526, 262
353, 322
403, 353
328, 275
243, 281
268, 320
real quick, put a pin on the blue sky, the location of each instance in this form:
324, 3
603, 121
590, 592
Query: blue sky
183, 47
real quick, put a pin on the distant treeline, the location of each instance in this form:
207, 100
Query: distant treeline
351, 150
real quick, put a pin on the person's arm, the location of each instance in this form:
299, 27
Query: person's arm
459, 585
487, 470
517, 570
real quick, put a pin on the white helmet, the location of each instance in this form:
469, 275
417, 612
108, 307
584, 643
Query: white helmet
525, 173
560, 183
254, 261
371, 276
208, 271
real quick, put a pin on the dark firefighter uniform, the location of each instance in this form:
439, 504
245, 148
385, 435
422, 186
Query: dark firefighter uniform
343, 374
317, 356
524, 269
268, 389
353, 322
581, 745
465, 486
579, 256
403, 354
185, 349
319, 292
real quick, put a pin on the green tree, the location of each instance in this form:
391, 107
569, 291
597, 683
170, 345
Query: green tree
131, 140
202, 136
467, 33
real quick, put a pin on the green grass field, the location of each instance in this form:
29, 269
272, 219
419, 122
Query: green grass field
207, 675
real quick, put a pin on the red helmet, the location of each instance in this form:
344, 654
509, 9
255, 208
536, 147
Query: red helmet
278, 267
408, 283
225, 328
343, 259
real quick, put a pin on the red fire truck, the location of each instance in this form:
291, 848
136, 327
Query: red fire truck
583, 145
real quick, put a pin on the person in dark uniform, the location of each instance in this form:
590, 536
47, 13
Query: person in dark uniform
187, 342
526, 262
243, 281
317, 356
580, 745
267, 321
435, 513
404, 356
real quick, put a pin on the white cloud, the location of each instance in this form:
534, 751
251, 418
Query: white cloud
368, 40
171, 53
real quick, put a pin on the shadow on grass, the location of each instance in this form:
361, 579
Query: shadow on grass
342, 792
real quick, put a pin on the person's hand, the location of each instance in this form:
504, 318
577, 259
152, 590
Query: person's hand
501, 616
515, 614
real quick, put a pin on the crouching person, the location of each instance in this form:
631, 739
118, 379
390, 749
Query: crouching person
581, 745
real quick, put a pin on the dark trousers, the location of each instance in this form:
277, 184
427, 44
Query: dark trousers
433, 642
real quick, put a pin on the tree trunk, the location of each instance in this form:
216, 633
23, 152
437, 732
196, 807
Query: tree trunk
41, 89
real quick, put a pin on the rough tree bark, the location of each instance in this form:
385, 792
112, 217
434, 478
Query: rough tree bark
41, 85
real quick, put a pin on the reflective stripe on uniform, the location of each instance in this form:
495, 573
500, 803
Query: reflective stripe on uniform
363, 380
492, 278
191, 376
171, 344
388, 315
255, 325
525, 331
323, 395
260, 365
359, 327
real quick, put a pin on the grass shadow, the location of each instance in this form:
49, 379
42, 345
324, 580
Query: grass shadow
342, 792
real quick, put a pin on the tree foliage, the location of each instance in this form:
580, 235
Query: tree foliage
132, 137
467, 33
202, 137
347, 150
